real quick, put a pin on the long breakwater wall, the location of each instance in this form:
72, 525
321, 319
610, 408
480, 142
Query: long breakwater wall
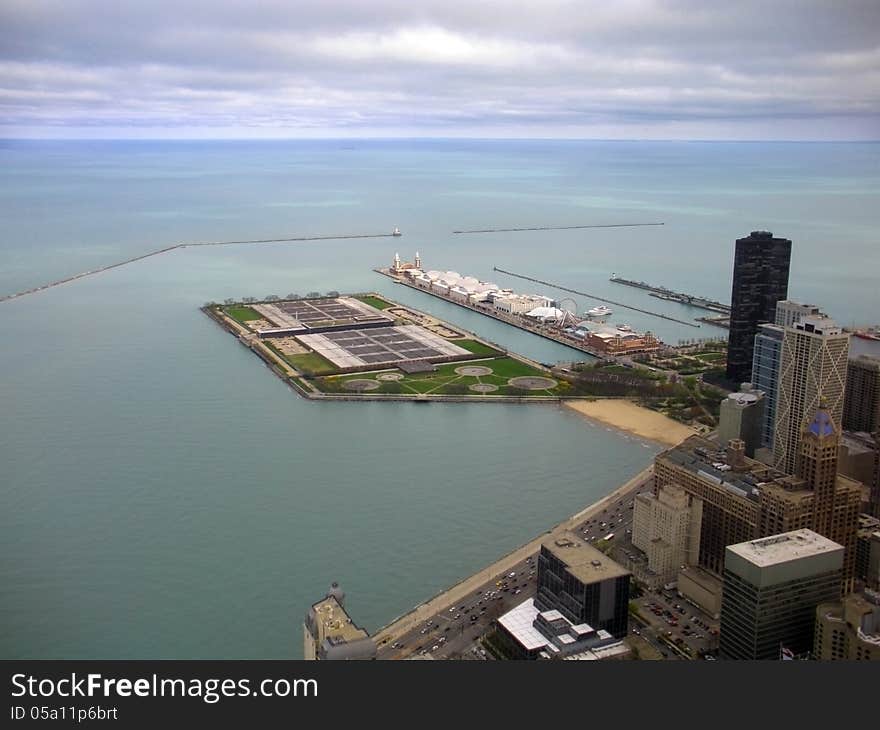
662, 292
557, 228
167, 249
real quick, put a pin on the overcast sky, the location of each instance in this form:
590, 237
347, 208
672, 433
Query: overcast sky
679, 69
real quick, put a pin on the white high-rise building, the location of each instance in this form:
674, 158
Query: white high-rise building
812, 367
789, 313
765, 364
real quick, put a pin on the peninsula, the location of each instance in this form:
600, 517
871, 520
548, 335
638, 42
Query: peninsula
367, 347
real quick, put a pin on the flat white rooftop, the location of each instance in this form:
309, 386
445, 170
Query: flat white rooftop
784, 548
518, 621
552, 615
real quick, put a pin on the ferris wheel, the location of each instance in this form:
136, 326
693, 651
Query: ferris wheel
569, 313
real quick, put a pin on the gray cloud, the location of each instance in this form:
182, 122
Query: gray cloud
631, 68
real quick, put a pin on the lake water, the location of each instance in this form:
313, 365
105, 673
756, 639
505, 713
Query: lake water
163, 495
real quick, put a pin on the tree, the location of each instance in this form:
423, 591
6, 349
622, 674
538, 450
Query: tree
292, 296
272, 297
313, 295
332, 294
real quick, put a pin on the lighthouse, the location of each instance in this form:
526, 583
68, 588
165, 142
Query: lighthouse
418, 261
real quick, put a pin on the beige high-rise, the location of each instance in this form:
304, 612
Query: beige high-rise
663, 530
835, 512
849, 629
813, 364
736, 499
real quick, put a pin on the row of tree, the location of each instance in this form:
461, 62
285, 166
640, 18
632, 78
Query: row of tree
278, 298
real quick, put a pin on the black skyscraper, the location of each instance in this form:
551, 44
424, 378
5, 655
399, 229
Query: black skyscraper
760, 280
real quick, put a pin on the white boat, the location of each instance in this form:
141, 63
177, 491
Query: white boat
397, 232
600, 311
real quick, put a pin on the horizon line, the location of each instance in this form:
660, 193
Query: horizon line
438, 138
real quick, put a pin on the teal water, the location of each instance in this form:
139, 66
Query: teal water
162, 495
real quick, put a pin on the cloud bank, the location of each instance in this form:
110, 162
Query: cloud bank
791, 69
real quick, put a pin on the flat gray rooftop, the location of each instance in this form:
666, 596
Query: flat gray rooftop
584, 562
305, 314
381, 346
783, 548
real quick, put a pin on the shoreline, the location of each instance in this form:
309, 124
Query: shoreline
455, 593
633, 419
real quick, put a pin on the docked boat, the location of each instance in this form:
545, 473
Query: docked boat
600, 311
396, 232
872, 333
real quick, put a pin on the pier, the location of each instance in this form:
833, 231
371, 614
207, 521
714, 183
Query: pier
546, 331
661, 292
557, 228
717, 321
168, 249
593, 296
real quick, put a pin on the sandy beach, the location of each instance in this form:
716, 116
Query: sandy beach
632, 418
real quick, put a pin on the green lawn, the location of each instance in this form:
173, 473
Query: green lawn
311, 363
374, 301
242, 314
478, 348
445, 381
508, 367
630, 372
